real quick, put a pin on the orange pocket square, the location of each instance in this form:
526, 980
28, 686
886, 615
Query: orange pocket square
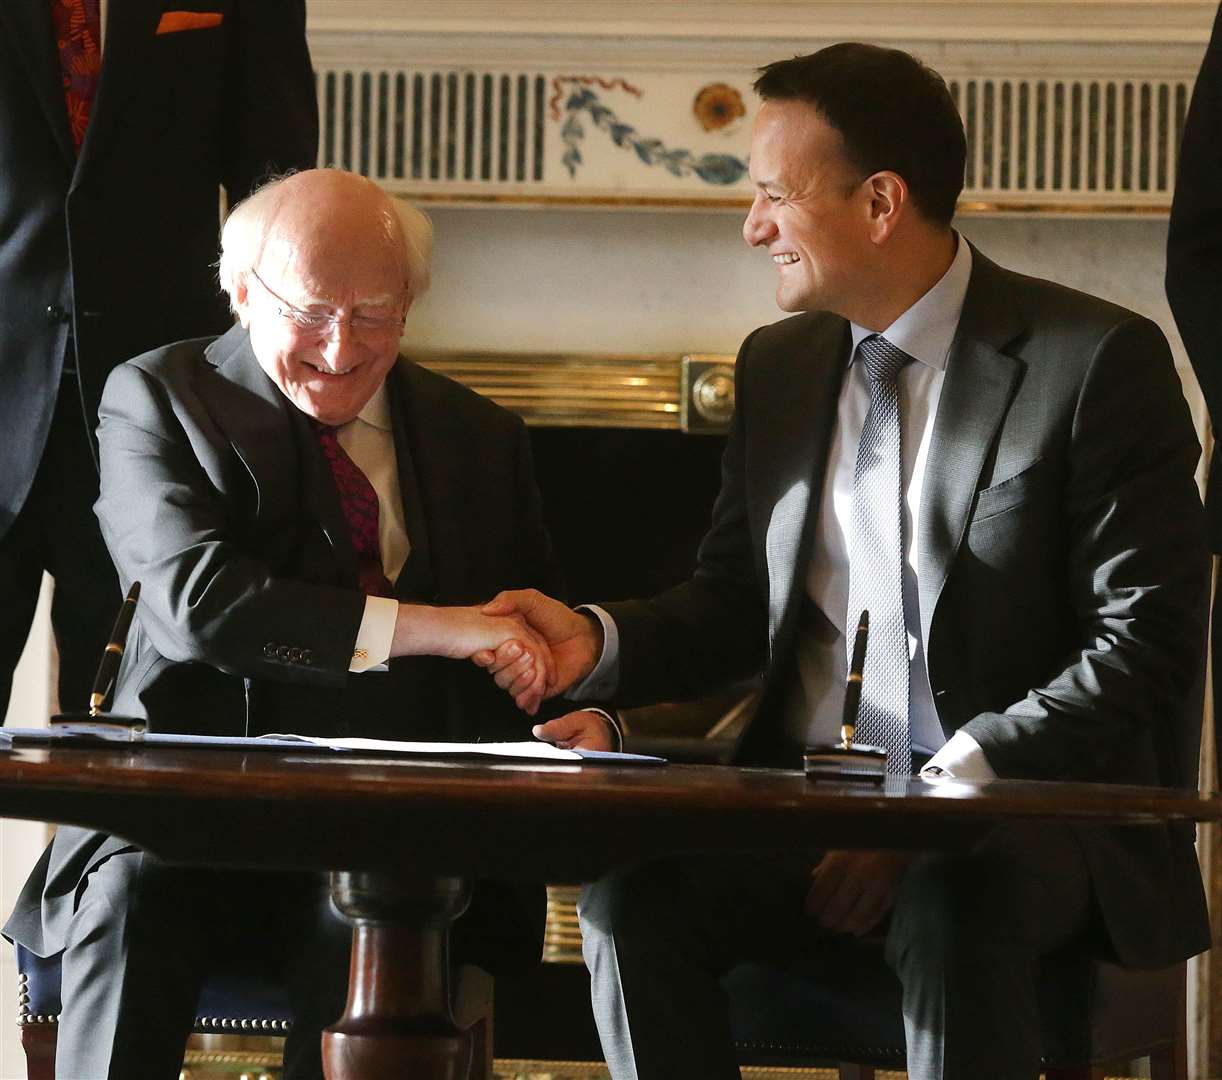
174, 21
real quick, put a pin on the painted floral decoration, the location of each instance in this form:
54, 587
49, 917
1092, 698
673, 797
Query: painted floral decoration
716, 169
717, 106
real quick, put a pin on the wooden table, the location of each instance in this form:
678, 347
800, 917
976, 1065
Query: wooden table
400, 837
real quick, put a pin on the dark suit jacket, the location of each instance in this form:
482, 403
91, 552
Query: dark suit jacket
217, 498
117, 246
1194, 252
1063, 571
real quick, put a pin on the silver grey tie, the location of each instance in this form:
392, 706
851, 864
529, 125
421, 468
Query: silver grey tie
876, 560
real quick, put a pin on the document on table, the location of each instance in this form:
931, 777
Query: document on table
527, 751
521, 751
84, 734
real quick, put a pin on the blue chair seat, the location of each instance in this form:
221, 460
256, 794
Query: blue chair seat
229, 1001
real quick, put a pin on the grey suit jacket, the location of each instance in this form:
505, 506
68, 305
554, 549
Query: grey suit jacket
1063, 573
217, 498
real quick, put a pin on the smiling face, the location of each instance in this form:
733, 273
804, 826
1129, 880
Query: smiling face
329, 252
811, 211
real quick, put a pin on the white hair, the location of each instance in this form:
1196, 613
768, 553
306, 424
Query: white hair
249, 225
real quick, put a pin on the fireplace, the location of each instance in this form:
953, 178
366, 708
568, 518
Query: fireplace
627, 453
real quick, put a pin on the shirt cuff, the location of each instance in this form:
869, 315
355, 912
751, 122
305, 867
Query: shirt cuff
960, 758
617, 734
375, 634
600, 684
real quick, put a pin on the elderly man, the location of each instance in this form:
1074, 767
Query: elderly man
306, 513
1001, 471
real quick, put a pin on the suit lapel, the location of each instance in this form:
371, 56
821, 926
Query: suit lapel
415, 581
979, 385
801, 438
429, 433
131, 26
274, 442
322, 496
32, 39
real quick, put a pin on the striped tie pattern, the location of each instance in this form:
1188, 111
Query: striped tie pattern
876, 554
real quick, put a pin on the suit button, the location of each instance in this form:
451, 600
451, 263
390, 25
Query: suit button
282, 652
56, 314
295, 655
269, 650
307, 657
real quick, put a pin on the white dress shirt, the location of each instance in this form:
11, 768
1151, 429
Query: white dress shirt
813, 707
370, 441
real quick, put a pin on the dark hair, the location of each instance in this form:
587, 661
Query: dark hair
891, 110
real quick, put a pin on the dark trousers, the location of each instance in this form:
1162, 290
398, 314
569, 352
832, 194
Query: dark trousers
1215, 645
144, 936
56, 531
964, 939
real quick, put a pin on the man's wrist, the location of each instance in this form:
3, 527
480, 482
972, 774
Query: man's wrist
595, 639
612, 724
417, 632
599, 681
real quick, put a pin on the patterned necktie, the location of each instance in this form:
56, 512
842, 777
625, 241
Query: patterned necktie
359, 502
78, 26
876, 560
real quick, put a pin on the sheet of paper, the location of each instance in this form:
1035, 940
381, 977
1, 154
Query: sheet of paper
528, 751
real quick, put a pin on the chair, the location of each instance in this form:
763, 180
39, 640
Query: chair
1092, 1013
230, 1003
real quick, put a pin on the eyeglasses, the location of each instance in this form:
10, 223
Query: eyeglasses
320, 324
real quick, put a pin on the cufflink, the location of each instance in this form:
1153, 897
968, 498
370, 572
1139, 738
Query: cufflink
360, 654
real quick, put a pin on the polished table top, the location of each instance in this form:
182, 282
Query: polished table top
403, 833
341, 811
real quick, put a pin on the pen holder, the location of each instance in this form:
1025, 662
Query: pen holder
853, 763
106, 725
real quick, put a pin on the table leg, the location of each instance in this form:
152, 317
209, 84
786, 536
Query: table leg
398, 1020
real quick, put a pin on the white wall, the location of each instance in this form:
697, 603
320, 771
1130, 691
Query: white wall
633, 281
21, 842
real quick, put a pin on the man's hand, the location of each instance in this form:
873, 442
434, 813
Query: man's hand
575, 640
853, 891
461, 632
583, 730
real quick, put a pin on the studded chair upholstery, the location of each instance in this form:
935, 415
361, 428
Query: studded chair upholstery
230, 1003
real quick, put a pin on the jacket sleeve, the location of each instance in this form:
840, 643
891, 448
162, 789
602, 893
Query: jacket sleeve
1194, 236
271, 107
205, 597
712, 629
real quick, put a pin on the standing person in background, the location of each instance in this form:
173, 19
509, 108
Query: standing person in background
1194, 263
119, 124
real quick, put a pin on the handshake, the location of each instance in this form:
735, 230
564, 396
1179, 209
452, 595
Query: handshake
534, 647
